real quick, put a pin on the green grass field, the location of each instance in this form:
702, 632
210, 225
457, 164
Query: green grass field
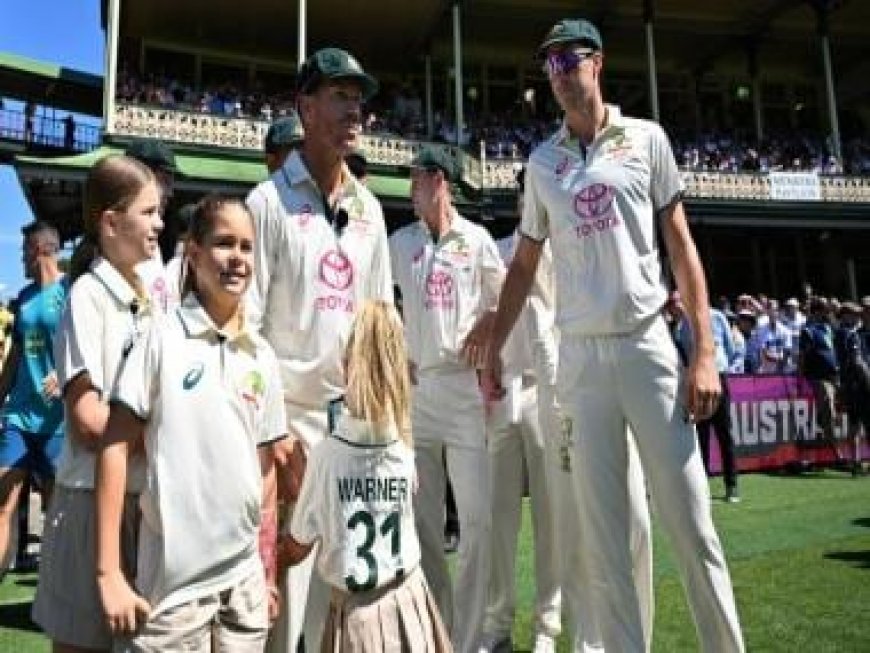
798, 548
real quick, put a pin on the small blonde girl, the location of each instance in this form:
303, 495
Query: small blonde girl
357, 500
105, 313
203, 392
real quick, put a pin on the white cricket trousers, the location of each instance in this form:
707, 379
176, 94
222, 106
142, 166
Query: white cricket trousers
514, 449
304, 594
448, 423
577, 596
605, 384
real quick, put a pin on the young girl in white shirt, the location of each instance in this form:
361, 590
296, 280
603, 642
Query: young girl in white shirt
105, 313
356, 498
202, 391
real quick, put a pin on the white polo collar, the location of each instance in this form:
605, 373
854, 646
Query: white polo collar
116, 284
614, 122
198, 324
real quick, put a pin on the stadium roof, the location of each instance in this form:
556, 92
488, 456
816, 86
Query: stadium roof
689, 34
49, 84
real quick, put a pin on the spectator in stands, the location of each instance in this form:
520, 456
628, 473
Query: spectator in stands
720, 420
746, 324
738, 364
854, 361
793, 320
817, 363
284, 135
772, 342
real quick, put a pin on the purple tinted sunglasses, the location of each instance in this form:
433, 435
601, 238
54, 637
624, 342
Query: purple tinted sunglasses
560, 62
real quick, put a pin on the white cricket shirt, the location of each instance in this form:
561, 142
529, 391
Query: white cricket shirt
446, 286
209, 401
599, 209
310, 276
102, 319
357, 499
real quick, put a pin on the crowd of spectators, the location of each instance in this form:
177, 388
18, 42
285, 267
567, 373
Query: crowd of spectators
767, 332
507, 135
791, 151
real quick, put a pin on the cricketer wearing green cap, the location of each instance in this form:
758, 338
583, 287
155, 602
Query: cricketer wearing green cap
284, 134
617, 185
320, 252
432, 157
449, 272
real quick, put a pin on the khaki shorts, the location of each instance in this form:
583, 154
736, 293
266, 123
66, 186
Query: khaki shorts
235, 620
67, 604
401, 616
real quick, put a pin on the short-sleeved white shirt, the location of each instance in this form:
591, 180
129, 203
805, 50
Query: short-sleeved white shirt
309, 279
599, 210
209, 401
446, 286
357, 498
102, 319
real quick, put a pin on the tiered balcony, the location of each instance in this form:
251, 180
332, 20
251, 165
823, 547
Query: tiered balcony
480, 174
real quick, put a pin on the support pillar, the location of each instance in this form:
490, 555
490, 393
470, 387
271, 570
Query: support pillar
302, 34
649, 15
113, 17
457, 68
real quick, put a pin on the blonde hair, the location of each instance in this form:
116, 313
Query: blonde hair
378, 387
114, 182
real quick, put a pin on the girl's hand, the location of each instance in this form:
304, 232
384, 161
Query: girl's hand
125, 611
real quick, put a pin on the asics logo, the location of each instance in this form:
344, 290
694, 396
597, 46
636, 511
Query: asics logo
194, 374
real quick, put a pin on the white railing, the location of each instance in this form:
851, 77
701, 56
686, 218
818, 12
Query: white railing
386, 150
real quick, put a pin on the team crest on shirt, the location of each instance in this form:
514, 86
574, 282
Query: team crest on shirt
457, 251
618, 148
418, 255
593, 206
253, 388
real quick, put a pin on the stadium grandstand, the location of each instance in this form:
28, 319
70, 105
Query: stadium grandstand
766, 102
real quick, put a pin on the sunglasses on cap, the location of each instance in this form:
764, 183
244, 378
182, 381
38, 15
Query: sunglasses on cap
560, 62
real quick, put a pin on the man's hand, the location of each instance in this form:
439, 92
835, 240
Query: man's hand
290, 459
475, 347
703, 388
125, 611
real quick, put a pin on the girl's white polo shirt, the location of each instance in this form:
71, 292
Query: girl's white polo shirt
357, 499
102, 319
209, 401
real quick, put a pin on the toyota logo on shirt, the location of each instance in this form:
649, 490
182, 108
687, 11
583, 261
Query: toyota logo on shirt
336, 270
593, 202
439, 284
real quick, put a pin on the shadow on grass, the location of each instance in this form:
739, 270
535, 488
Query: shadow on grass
859, 559
16, 616
26, 582
862, 521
